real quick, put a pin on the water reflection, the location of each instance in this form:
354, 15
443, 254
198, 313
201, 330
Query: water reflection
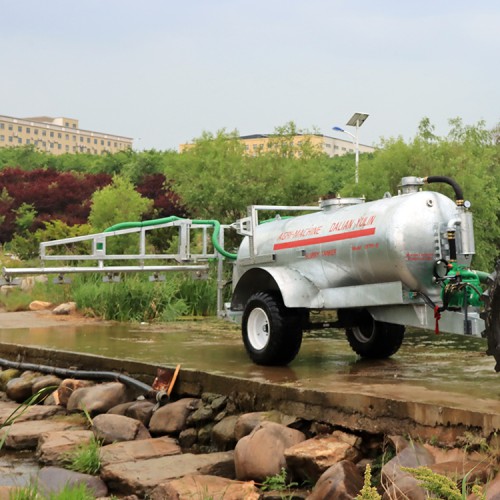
448, 363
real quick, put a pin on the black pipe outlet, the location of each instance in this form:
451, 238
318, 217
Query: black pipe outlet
459, 195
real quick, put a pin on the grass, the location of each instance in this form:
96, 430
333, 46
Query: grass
73, 492
85, 458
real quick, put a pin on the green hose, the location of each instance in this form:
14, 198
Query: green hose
172, 218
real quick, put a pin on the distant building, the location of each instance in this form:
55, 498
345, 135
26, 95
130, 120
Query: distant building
260, 143
58, 136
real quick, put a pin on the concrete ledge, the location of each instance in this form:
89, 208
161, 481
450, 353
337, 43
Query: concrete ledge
374, 408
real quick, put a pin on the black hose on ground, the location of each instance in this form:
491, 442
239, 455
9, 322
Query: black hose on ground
459, 195
160, 396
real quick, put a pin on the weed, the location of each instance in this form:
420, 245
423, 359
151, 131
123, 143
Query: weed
277, 482
368, 492
85, 457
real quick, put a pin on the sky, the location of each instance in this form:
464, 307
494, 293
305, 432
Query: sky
163, 72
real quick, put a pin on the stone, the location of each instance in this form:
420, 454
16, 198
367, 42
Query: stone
342, 481
51, 480
219, 403
6, 375
396, 482
129, 451
141, 477
399, 443
68, 387
44, 382
261, 453
249, 421
19, 389
34, 412
98, 398
24, 435
53, 447
476, 472
110, 428
171, 418
64, 309
309, 459
223, 435
188, 437
205, 434
140, 410
493, 489
39, 305
200, 416
193, 486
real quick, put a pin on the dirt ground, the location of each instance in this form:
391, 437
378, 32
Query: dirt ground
39, 319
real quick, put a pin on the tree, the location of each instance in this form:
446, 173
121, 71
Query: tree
118, 202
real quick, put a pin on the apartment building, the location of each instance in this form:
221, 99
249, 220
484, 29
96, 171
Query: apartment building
261, 143
58, 136
254, 144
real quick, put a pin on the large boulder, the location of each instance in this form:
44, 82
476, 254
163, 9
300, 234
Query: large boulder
247, 422
6, 375
45, 382
53, 447
171, 418
99, 398
19, 389
67, 387
261, 454
309, 459
397, 482
342, 481
193, 486
223, 435
111, 428
140, 410
52, 480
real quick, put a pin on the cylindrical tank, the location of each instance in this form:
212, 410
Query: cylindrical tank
393, 239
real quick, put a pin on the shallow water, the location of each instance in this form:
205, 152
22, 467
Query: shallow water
448, 363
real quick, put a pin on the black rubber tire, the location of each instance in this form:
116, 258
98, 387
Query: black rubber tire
374, 339
491, 315
272, 334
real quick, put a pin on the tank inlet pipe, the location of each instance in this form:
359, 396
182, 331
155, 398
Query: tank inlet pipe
161, 397
459, 195
172, 218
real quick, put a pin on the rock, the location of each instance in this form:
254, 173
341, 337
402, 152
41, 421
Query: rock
210, 487
39, 305
143, 449
24, 435
205, 434
98, 398
6, 375
309, 459
200, 416
140, 410
341, 481
54, 446
249, 421
115, 428
171, 418
399, 443
19, 389
64, 309
68, 387
261, 454
397, 482
476, 472
188, 437
44, 382
223, 435
34, 412
51, 480
141, 477
493, 489
218, 403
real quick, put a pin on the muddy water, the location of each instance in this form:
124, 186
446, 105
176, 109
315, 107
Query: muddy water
447, 363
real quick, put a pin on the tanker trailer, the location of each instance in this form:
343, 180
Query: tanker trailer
399, 261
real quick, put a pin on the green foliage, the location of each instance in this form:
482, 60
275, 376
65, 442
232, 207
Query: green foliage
25, 215
278, 482
134, 299
199, 295
368, 492
116, 203
69, 492
85, 458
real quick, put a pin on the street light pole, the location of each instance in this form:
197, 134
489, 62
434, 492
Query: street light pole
356, 120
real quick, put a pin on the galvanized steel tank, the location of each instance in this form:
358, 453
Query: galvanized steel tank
350, 242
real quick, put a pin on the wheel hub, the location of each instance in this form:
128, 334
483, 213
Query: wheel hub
258, 328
